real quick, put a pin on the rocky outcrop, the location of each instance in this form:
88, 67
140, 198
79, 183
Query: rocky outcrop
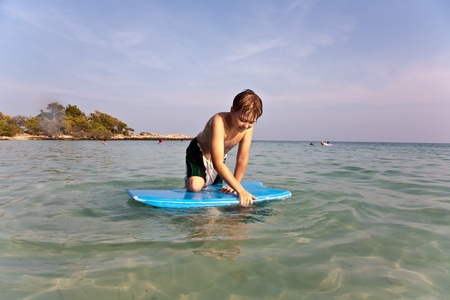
142, 136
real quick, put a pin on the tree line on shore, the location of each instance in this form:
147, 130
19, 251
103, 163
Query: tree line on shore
59, 120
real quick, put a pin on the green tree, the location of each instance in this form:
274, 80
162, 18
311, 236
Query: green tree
80, 127
99, 131
73, 111
75, 122
58, 120
32, 125
110, 123
7, 126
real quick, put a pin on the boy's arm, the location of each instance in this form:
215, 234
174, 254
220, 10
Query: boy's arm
242, 155
217, 154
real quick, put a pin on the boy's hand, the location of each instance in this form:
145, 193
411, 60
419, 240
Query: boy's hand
227, 190
245, 198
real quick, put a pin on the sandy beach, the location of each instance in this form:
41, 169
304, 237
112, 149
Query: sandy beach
142, 136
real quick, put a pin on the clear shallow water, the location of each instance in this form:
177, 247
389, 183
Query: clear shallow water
365, 221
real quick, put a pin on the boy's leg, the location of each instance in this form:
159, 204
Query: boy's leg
195, 184
195, 169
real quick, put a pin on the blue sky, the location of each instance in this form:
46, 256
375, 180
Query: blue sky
326, 70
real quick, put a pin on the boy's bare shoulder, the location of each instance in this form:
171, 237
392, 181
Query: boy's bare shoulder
221, 115
219, 118
216, 119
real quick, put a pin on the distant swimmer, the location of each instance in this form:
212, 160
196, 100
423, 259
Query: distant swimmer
160, 142
104, 143
326, 144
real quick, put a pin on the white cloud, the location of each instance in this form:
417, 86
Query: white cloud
245, 50
51, 19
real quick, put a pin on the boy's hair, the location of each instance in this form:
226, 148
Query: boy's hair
248, 103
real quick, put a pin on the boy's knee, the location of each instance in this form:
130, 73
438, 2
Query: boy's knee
195, 184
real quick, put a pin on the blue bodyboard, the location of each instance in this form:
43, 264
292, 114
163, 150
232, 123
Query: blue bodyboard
209, 197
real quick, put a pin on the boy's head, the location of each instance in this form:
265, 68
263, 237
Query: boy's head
249, 104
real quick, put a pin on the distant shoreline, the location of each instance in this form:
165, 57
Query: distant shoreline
133, 137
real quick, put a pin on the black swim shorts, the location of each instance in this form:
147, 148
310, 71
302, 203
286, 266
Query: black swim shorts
195, 164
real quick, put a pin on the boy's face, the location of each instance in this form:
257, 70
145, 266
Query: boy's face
242, 122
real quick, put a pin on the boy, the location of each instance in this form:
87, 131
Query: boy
205, 155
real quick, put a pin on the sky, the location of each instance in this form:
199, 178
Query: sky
341, 70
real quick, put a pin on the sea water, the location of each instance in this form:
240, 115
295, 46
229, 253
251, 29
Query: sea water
365, 221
